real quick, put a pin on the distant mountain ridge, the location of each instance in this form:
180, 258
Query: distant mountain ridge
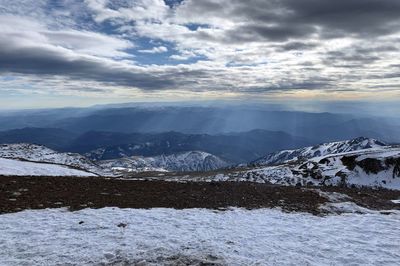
234, 147
54, 138
213, 120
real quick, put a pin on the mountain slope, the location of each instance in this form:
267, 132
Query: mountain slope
318, 150
42, 154
186, 162
379, 167
25, 168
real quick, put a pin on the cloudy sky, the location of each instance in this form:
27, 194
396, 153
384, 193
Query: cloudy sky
82, 52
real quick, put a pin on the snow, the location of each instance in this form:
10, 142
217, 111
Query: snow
322, 171
42, 154
345, 207
24, 168
168, 236
341, 203
377, 153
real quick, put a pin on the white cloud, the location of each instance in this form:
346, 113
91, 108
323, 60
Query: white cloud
137, 10
247, 48
25, 32
155, 50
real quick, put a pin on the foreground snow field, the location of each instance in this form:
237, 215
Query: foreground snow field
180, 237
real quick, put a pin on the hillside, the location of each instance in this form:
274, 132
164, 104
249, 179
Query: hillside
41, 154
10, 167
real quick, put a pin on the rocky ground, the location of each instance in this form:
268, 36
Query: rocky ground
20, 193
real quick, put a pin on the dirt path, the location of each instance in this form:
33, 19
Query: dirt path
19, 193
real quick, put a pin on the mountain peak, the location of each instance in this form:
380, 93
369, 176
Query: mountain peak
359, 143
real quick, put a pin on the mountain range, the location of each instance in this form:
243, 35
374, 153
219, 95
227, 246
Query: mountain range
33, 159
212, 120
357, 162
232, 147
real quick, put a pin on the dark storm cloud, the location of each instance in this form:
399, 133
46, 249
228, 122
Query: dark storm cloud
351, 57
316, 83
297, 46
376, 49
357, 56
278, 33
371, 17
87, 89
42, 61
293, 19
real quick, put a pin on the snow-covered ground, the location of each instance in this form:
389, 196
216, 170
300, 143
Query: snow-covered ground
23, 168
42, 154
170, 237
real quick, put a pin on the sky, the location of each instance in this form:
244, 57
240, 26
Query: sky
56, 53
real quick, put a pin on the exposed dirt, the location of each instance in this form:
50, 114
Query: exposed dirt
20, 193
375, 199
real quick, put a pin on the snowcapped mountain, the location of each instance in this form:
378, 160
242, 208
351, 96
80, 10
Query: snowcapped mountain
185, 161
32, 153
283, 156
42, 154
374, 167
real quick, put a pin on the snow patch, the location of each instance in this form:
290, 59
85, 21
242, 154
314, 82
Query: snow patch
22, 168
113, 236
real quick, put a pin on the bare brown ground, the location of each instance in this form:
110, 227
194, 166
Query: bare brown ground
20, 193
